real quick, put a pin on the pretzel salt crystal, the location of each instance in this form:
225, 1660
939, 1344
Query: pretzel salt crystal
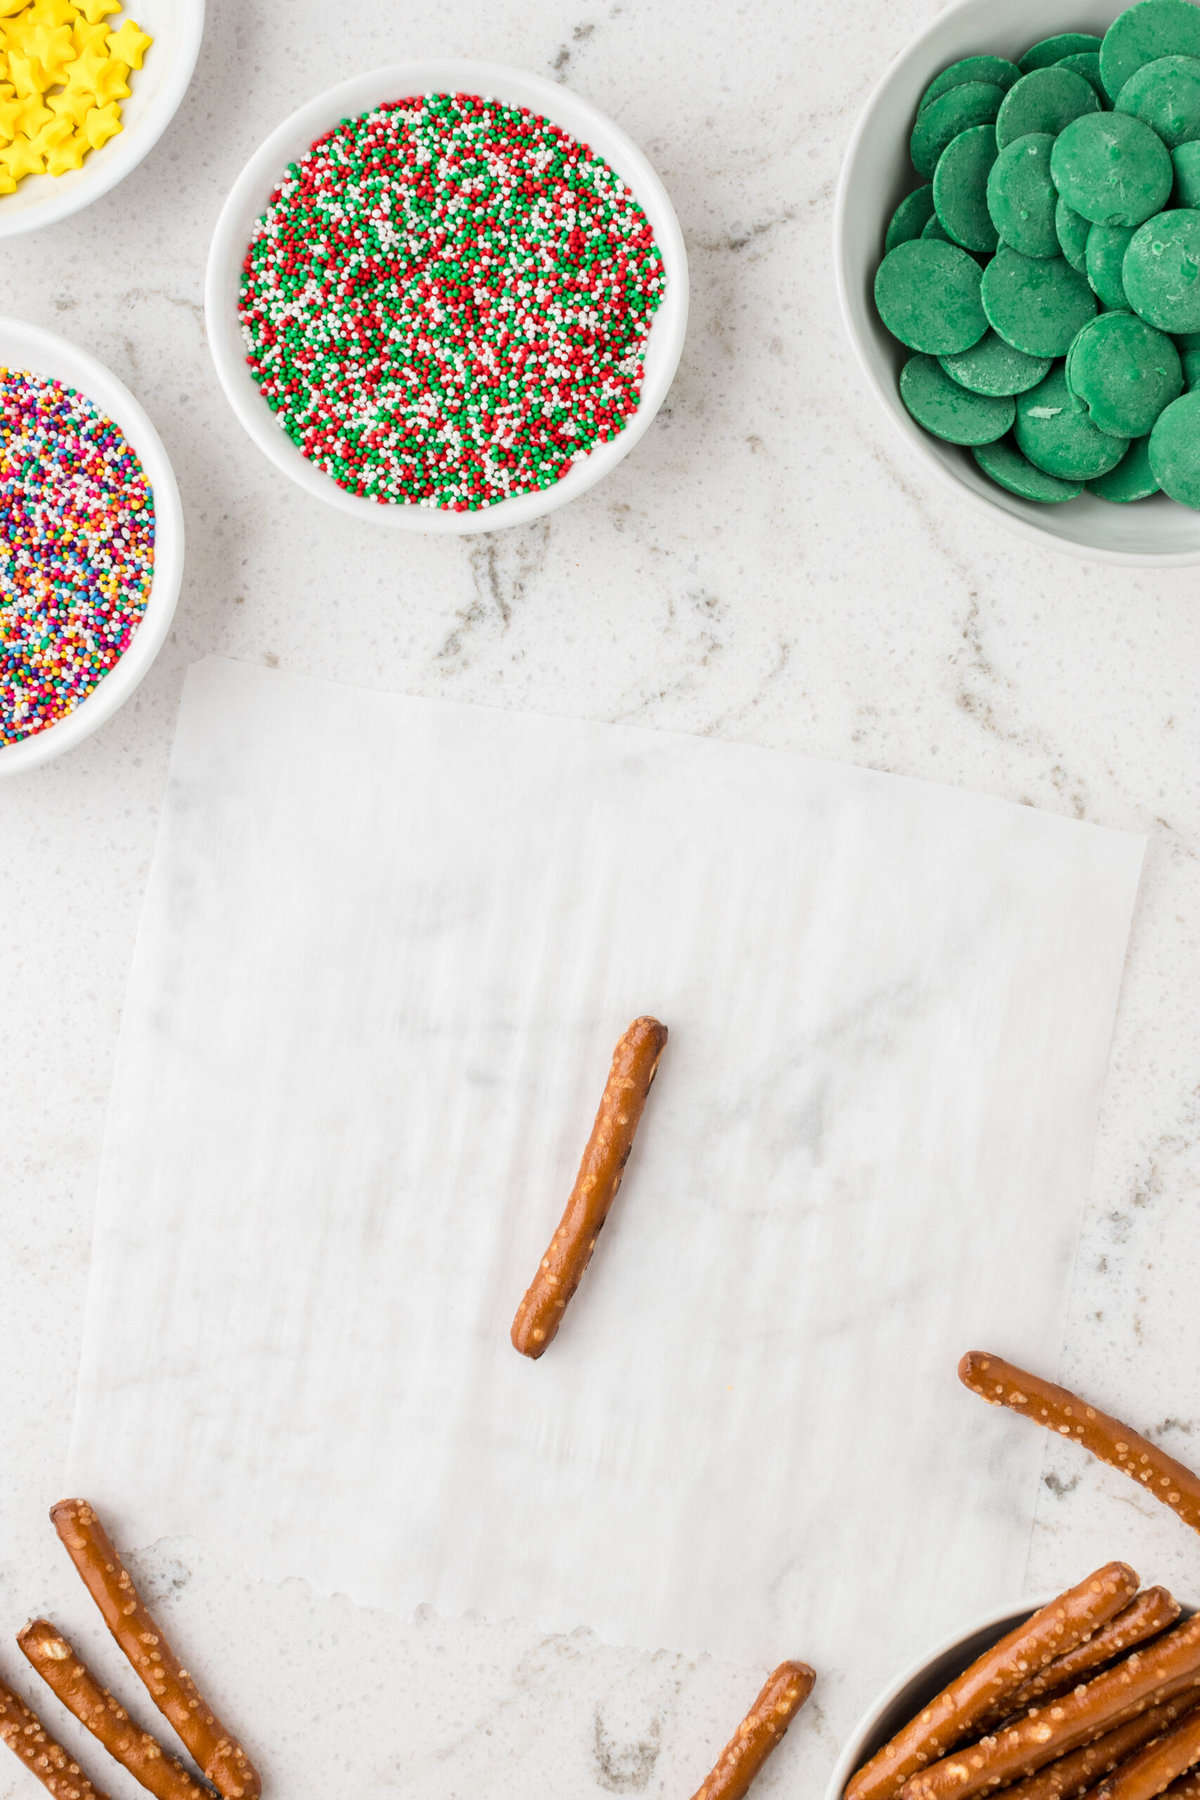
784, 1693
1146, 1678
634, 1062
996, 1674
54, 1767
1147, 1614
1153, 1769
1079, 1771
219, 1756
71, 1681
1059, 1410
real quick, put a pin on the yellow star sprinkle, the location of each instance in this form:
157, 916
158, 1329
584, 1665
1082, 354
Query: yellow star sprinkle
95, 10
70, 104
69, 154
88, 37
53, 134
130, 43
102, 123
26, 76
52, 47
52, 12
32, 115
9, 7
108, 81
21, 159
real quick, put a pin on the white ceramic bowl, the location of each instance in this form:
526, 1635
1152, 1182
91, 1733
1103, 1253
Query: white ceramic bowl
260, 177
875, 175
26, 347
155, 91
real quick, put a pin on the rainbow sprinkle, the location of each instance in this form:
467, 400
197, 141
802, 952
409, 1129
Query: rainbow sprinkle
448, 300
76, 550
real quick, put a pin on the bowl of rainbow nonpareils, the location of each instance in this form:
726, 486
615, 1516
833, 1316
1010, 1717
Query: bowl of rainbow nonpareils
91, 545
447, 296
1018, 263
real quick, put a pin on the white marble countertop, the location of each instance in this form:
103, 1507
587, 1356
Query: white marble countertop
767, 565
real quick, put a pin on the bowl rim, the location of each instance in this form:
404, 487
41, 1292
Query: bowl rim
997, 1620
130, 148
260, 174
914, 440
102, 387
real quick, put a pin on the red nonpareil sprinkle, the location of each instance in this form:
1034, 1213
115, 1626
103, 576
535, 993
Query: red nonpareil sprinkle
447, 302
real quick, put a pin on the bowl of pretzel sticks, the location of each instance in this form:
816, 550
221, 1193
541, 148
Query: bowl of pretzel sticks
1095, 1692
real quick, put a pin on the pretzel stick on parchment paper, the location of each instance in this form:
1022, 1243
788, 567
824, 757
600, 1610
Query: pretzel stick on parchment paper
1059, 1410
560, 1271
1147, 1614
218, 1755
71, 1681
1080, 1770
42, 1755
784, 1693
1146, 1678
953, 1713
1153, 1769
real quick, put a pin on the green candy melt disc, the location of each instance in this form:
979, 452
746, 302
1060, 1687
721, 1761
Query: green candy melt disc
927, 294
1021, 197
1124, 372
993, 367
1175, 450
1161, 270
1057, 436
949, 411
1105, 260
1006, 466
1087, 64
960, 188
1144, 33
1071, 229
1046, 100
994, 70
1186, 161
1036, 304
1054, 49
1165, 95
974, 103
910, 217
1131, 479
1112, 168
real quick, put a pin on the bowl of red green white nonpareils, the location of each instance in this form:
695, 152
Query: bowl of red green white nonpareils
447, 296
1018, 262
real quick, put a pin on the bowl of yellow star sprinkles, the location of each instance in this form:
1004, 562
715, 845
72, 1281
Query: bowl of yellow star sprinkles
87, 87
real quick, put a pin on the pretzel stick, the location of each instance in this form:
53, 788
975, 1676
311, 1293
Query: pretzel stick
54, 1767
1186, 1788
634, 1062
951, 1716
1003, 1384
1145, 1678
219, 1756
1075, 1773
785, 1691
1147, 1614
68, 1677
1153, 1769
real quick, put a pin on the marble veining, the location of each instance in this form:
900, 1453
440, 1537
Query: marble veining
861, 616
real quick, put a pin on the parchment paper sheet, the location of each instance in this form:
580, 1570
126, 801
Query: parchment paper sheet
387, 947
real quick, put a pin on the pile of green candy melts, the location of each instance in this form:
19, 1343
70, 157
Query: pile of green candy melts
1046, 272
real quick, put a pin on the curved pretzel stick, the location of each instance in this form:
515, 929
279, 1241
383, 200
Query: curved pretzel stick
68, 1677
784, 1693
634, 1062
1147, 1614
996, 1674
1145, 1679
1003, 1384
1153, 1769
1078, 1771
219, 1756
42, 1755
